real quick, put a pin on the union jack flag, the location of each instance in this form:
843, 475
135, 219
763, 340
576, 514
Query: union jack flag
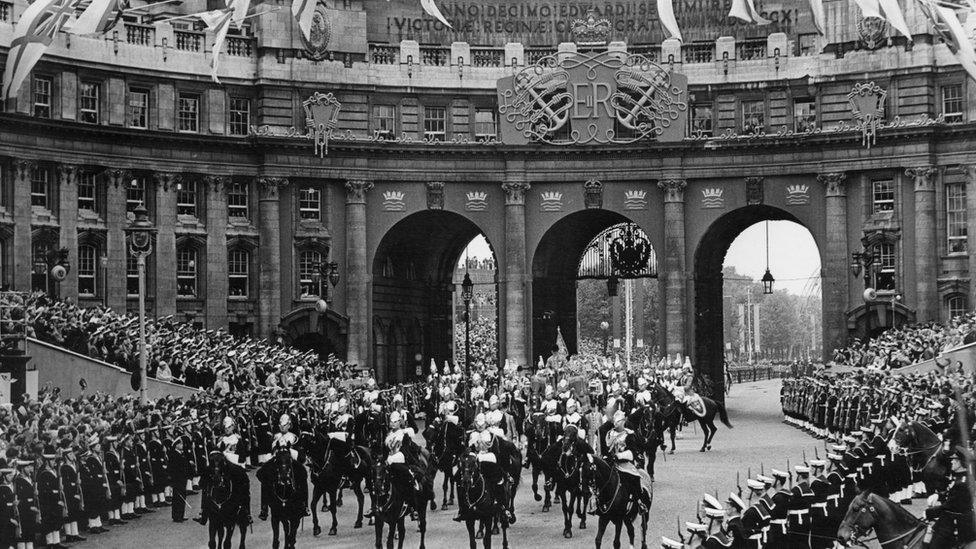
33, 34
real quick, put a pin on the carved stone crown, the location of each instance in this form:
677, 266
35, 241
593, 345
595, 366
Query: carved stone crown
712, 193
635, 195
552, 195
393, 195
591, 30
477, 195
797, 189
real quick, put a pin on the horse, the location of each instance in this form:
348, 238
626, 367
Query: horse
895, 527
393, 499
613, 501
474, 491
539, 438
225, 501
446, 442
648, 426
563, 462
328, 470
674, 411
925, 453
286, 482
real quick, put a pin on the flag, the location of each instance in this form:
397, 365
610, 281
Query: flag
746, 10
431, 8
960, 43
34, 32
98, 18
218, 22
303, 10
239, 8
816, 7
560, 342
869, 8
894, 16
665, 9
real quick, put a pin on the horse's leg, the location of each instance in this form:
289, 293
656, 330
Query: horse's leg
451, 483
274, 531
630, 532
490, 528
378, 528
228, 535
567, 505
644, 516
422, 525
444, 487
316, 494
332, 510
212, 531
535, 484
616, 533
714, 430
401, 532
547, 502
361, 500
705, 430
481, 530
601, 527
243, 525
469, 524
672, 428
504, 534
582, 502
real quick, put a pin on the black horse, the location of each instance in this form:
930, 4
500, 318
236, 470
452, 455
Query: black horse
563, 462
648, 426
540, 436
479, 502
674, 412
226, 499
395, 495
925, 453
613, 502
286, 480
329, 470
446, 442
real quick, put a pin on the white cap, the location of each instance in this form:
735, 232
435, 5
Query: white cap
395, 417
285, 420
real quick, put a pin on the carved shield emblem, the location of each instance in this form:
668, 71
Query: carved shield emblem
320, 34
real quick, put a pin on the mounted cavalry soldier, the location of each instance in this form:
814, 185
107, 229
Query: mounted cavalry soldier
285, 441
574, 418
621, 448
404, 458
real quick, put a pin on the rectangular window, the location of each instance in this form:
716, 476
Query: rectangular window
186, 273
885, 267
952, 103
435, 123
308, 263
956, 218
804, 115
86, 191
135, 194
240, 115
40, 186
186, 198
138, 108
753, 116
484, 124
188, 113
237, 200
42, 97
384, 120
86, 270
237, 273
958, 305
131, 276
88, 105
310, 203
883, 195
701, 120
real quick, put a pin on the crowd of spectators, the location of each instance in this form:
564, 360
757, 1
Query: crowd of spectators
910, 344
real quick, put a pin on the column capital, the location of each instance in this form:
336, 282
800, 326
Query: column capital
834, 181
268, 187
970, 172
356, 190
923, 176
67, 174
117, 175
166, 180
23, 167
674, 189
515, 190
215, 183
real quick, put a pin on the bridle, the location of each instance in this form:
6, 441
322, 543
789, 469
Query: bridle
857, 530
601, 509
471, 476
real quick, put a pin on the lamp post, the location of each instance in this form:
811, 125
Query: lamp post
325, 271
139, 236
467, 291
767, 279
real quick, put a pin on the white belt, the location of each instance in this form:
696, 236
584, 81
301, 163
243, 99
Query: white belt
833, 497
339, 435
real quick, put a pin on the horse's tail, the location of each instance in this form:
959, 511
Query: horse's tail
723, 414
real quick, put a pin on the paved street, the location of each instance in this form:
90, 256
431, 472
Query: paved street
759, 436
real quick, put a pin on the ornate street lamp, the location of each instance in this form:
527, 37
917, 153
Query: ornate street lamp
325, 271
767, 279
467, 292
139, 236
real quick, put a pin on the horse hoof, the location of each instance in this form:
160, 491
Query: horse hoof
702, 450
316, 530
545, 508
672, 451
538, 497
494, 531
433, 505
582, 526
359, 524
568, 534
332, 531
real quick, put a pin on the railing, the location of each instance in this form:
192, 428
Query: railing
239, 46
651, 52
188, 40
698, 53
142, 35
533, 55
487, 57
748, 50
381, 54
435, 56
6, 10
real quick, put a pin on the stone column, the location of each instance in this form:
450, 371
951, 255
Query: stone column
926, 244
515, 187
675, 315
165, 249
216, 307
269, 233
971, 231
357, 273
115, 246
836, 282
22, 226
68, 234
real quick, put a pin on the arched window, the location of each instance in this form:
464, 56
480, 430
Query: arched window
186, 271
957, 305
238, 273
87, 269
308, 262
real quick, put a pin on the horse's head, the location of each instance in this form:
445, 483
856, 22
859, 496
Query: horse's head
592, 472
468, 468
218, 461
381, 480
865, 511
570, 436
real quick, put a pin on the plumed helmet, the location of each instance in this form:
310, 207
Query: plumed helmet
285, 420
395, 418
228, 422
480, 421
619, 417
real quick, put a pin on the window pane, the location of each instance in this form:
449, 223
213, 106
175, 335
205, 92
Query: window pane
701, 120
883, 195
435, 123
804, 115
384, 120
135, 193
958, 306
42, 97
138, 108
240, 115
186, 198
309, 203
86, 191
186, 272
307, 264
753, 116
885, 266
40, 185
956, 218
131, 276
237, 272
952, 103
86, 270
88, 106
187, 114
237, 200
484, 123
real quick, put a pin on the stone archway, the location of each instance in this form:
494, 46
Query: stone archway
308, 330
709, 352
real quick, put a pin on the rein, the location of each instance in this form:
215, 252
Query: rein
604, 509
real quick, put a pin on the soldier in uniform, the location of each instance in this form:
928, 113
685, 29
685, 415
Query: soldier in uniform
953, 511
9, 516
50, 499
71, 488
158, 464
94, 485
27, 506
621, 450
141, 451
132, 477
115, 474
798, 515
179, 469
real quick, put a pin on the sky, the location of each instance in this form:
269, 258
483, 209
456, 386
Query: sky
793, 255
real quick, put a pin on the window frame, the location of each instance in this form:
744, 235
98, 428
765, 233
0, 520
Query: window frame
478, 124
232, 112
187, 188
238, 189
131, 276
954, 116
306, 270
238, 275
951, 303
885, 204
50, 96
95, 110
44, 195
85, 183
434, 135
303, 199
196, 98
692, 130
185, 271
376, 120
84, 273
881, 267
137, 184
133, 91
743, 114
812, 102
956, 216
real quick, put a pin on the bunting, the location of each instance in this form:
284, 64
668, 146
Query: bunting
869, 8
304, 10
819, 17
960, 44
98, 18
431, 8
895, 16
218, 22
34, 32
665, 10
239, 7
746, 11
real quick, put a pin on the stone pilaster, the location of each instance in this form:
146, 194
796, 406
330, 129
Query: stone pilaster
675, 315
971, 231
516, 276
357, 273
68, 235
22, 225
269, 233
926, 244
165, 249
836, 282
115, 246
216, 306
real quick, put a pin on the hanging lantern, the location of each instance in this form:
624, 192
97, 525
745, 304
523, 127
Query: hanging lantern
767, 282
